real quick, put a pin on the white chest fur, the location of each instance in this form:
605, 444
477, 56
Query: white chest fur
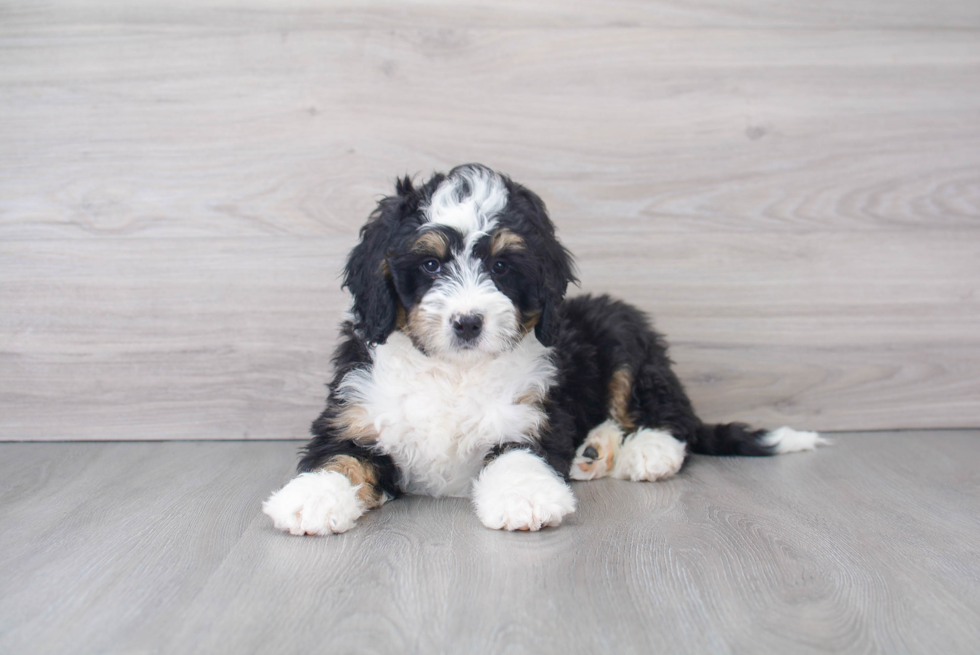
437, 419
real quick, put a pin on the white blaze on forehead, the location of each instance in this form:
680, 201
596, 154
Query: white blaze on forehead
471, 211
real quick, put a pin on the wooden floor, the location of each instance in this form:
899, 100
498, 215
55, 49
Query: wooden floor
868, 546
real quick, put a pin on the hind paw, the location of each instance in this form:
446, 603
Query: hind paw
649, 455
594, 458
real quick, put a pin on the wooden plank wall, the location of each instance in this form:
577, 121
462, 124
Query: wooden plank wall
791, 188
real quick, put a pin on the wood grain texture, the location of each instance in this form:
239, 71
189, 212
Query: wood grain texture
168, 339
447, 14
184, 132
864, 547
793, 191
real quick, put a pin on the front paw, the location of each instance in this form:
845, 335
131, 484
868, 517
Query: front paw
519, 491
319, 503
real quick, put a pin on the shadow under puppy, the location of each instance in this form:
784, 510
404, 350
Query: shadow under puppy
464, 372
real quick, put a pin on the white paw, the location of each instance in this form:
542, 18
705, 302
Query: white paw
649, 455
519, 491
594, 458
323, 502
787, 440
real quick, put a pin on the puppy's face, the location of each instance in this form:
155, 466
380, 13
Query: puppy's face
466, 289
470, 263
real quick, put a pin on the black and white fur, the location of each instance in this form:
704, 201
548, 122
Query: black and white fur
464, 372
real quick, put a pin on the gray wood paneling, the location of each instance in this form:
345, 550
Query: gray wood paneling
864, 547
791, 190
178, 339
185, 132
447, 14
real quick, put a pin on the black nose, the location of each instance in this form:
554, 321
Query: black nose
468, 327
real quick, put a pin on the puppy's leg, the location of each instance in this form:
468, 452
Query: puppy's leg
645, 454
518, 490
649, 454
594, 458
330, 497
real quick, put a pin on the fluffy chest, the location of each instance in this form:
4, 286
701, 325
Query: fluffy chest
437, 419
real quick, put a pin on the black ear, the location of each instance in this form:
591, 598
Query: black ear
367, 275
556, 267
559, 274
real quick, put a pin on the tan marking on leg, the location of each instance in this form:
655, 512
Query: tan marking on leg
360, 473
433, 243
354, 423
505, 239
620, 391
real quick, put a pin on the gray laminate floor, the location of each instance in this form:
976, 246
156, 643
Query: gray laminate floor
868, 546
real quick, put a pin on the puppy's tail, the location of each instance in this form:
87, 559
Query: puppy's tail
740, 439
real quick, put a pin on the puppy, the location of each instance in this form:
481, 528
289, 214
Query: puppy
463, 371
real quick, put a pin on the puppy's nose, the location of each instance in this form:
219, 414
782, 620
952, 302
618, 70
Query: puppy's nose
468, 327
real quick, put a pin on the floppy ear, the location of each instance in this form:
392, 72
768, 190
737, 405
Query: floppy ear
556, 268
367, 275
557, 276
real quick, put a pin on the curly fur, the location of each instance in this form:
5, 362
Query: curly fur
465, 371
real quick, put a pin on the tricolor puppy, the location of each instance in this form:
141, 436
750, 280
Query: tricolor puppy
464, 372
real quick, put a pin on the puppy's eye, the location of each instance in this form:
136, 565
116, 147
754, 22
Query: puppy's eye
431, 266
499, 267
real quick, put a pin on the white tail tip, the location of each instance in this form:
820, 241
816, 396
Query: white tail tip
787, 440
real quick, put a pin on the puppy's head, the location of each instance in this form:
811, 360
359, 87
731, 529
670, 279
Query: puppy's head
465, 265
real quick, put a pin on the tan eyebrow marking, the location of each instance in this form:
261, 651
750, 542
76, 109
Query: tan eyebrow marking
504, 239
432, 242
